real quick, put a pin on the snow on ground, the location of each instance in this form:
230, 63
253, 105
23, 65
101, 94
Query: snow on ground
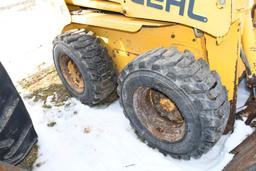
86, 138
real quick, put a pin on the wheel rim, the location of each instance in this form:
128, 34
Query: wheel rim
71, 73
159, 114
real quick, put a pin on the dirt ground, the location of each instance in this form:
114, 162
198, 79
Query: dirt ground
40, 86
46, 87
44, 84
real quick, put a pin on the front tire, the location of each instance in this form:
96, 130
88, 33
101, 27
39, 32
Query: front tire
174, 102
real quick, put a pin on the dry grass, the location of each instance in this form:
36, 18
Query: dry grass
44, 84
29, 161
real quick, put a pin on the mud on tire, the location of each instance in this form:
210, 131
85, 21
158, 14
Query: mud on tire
196, 92
84, 66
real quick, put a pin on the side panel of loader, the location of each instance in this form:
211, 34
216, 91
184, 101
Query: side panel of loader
123, 47
204, 15
201, 14
223, 57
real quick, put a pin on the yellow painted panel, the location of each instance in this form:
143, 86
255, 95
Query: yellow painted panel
239, 7
249, 42
123, 47
223, 57
113, 21
116, 1
240, 68
205, 15
97, 4
218, 18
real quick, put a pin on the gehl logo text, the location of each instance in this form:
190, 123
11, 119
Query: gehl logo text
160, 5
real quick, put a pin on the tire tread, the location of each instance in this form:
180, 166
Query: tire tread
195, 78
95, 58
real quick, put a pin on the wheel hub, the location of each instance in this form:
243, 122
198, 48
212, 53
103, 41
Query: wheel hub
166, 108
72, 74
159, 114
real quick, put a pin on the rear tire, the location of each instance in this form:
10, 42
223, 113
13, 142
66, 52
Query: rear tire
84, 66
195, 91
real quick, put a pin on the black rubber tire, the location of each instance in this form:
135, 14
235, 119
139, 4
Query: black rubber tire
189, 83
17, 134
93, 62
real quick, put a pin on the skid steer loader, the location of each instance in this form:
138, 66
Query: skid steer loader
176, 65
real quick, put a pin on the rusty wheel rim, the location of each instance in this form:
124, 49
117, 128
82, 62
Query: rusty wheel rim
159, 114
71, 73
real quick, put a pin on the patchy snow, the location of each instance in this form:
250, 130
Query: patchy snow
87, 138
111, 143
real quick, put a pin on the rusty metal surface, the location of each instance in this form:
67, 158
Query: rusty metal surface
249, 112
159, 114
245, 155
166, 108
232, 115
251, 109
7, 167
72, 74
